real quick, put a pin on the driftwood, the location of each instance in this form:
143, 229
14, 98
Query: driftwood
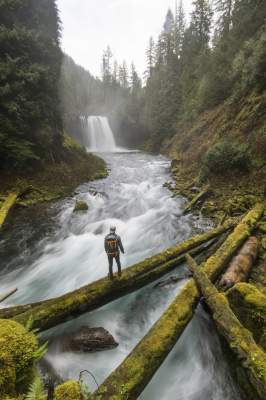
131, 377
200, 197
49, 313
241, 264
10, 202
249, 305
6, 207
251, 357
8, 294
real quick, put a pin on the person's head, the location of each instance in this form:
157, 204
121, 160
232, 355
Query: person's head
112, 229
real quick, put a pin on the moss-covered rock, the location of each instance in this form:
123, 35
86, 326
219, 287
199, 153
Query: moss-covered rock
81, 206
17, 355
69, 390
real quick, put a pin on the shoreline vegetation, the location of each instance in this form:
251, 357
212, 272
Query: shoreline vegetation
51, 181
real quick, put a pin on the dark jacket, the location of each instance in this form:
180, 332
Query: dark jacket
114, 245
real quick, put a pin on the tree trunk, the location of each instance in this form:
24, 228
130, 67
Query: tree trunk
240, 266
251, 357
132, 376
49, 313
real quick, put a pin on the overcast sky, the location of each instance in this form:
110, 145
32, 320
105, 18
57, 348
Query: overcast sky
126, 25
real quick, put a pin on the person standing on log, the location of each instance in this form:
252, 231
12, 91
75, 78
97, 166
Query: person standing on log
113, 245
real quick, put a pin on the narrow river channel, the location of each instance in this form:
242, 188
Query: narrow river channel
47, 252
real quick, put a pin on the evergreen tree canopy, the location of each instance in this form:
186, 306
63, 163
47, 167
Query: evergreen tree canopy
29, 74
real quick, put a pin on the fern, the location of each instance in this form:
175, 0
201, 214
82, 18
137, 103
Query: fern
36, 390
29, 326
40, 352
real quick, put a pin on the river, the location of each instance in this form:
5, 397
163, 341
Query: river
46, 252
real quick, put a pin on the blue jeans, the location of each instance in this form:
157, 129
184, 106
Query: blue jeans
111, 260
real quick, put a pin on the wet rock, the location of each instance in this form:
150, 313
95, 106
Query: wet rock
81, 206
86, 340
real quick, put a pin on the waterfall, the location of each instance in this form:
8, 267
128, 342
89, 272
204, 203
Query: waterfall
98, 135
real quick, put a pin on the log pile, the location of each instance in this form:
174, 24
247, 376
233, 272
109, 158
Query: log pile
251, 357
131, 377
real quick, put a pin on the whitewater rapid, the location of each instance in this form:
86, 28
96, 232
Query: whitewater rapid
54, 251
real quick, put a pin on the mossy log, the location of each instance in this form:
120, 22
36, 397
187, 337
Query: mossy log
135, 372
49, 313
249, 305
198, 198
251, 357
240, 266
6, 207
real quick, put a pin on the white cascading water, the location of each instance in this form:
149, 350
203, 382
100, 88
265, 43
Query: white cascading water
98, 135
48, 252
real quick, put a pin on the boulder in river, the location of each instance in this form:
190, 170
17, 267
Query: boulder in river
81, 206
86, 340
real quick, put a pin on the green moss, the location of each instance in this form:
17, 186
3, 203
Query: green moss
17, 355
69, 390
249, 304
81, 206
7, 205
131, 377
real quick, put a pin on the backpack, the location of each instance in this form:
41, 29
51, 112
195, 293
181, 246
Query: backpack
112, 245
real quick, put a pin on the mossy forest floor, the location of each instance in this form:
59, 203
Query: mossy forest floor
50, 181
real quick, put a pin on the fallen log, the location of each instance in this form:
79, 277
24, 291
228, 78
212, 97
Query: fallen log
240, 266
6, 207
251, 357
201, 257
249, 305
132, 376
8, 294
198, 198
51, 312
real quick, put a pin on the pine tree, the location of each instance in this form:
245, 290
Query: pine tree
224, 9
107, 66
123, 75
135, 81
150, 54
179, 28
201, 20
248, 16
115, 73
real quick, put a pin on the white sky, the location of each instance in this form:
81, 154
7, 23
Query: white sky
126, 25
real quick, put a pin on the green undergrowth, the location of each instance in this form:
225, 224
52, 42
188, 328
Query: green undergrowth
54, 179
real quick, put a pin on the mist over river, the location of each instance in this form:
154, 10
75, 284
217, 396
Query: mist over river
48, 252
